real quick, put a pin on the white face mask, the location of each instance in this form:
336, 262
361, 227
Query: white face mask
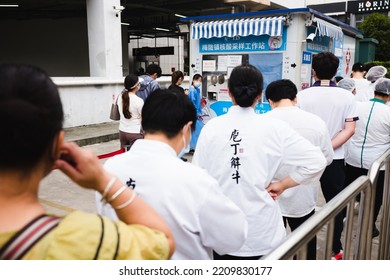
186, 147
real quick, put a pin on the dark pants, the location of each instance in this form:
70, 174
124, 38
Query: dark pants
332, 183
294, 223
128, 139
352, 173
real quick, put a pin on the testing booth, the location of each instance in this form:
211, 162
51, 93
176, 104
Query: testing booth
280, 43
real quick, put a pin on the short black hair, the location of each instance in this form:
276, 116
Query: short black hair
281, 89
31, 116
245, 83
153, 69
338, 78
325, 64
167, 111
358, 67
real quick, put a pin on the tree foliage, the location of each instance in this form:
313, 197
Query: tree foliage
377, 26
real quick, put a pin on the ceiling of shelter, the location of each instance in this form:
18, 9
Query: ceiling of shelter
143, 16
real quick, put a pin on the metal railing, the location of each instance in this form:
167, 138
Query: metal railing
357, 230
373, 173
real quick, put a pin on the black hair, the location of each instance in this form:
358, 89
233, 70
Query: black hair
153, 69
325, 64
281, 89
338, 78
358, 67
369, 65
167, 111
31, 116
196, 77
176, 76
380, 94
245, 83
129, 83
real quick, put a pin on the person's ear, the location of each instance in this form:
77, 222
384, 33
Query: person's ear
59, 140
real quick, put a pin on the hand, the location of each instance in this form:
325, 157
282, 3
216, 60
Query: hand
275, 189
82, 166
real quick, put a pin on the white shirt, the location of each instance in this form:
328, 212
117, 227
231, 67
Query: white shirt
372, 134
132, 125
363, 90
301, 200
243, 151
333, 105
200, 216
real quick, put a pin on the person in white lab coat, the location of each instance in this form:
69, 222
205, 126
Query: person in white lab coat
348, 84
361, 83
298, 204
373, 74
371, 140
244, 151
200, 216
337, 108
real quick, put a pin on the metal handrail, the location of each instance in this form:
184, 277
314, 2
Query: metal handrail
373, 173
296, 242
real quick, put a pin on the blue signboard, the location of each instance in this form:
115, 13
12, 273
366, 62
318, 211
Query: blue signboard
306, 58
243, 44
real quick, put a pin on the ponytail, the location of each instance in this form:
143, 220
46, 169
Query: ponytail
126, 104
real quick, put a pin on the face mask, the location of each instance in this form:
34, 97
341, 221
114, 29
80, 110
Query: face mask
186, 148
197, 84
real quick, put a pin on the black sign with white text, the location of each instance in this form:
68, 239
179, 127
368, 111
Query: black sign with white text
363, 7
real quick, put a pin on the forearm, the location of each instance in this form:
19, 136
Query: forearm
275, 189
344, 135
131, 209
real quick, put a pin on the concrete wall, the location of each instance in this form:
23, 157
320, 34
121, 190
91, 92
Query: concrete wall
59, 46
88, 100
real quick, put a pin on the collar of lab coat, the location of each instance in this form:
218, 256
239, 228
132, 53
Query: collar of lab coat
153, 147
236, 109
378, 100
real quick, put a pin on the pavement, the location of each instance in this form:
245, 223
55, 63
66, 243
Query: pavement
93, 134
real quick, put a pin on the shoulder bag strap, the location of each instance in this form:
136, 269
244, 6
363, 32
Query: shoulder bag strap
27, 237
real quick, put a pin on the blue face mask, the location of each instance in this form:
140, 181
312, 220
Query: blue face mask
186, 148
197, 84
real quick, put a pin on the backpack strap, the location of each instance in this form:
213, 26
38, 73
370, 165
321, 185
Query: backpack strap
27, 237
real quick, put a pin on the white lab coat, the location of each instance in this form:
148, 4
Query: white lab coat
364, 90
333, 105
301, 200
200, 216
243, 151
369, 141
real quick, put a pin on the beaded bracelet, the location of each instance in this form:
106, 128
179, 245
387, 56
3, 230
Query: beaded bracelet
127, 203
108, 188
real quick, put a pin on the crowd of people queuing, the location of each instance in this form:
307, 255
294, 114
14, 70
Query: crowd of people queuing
251, 175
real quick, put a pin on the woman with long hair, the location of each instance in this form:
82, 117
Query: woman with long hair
130, 106
177, 80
